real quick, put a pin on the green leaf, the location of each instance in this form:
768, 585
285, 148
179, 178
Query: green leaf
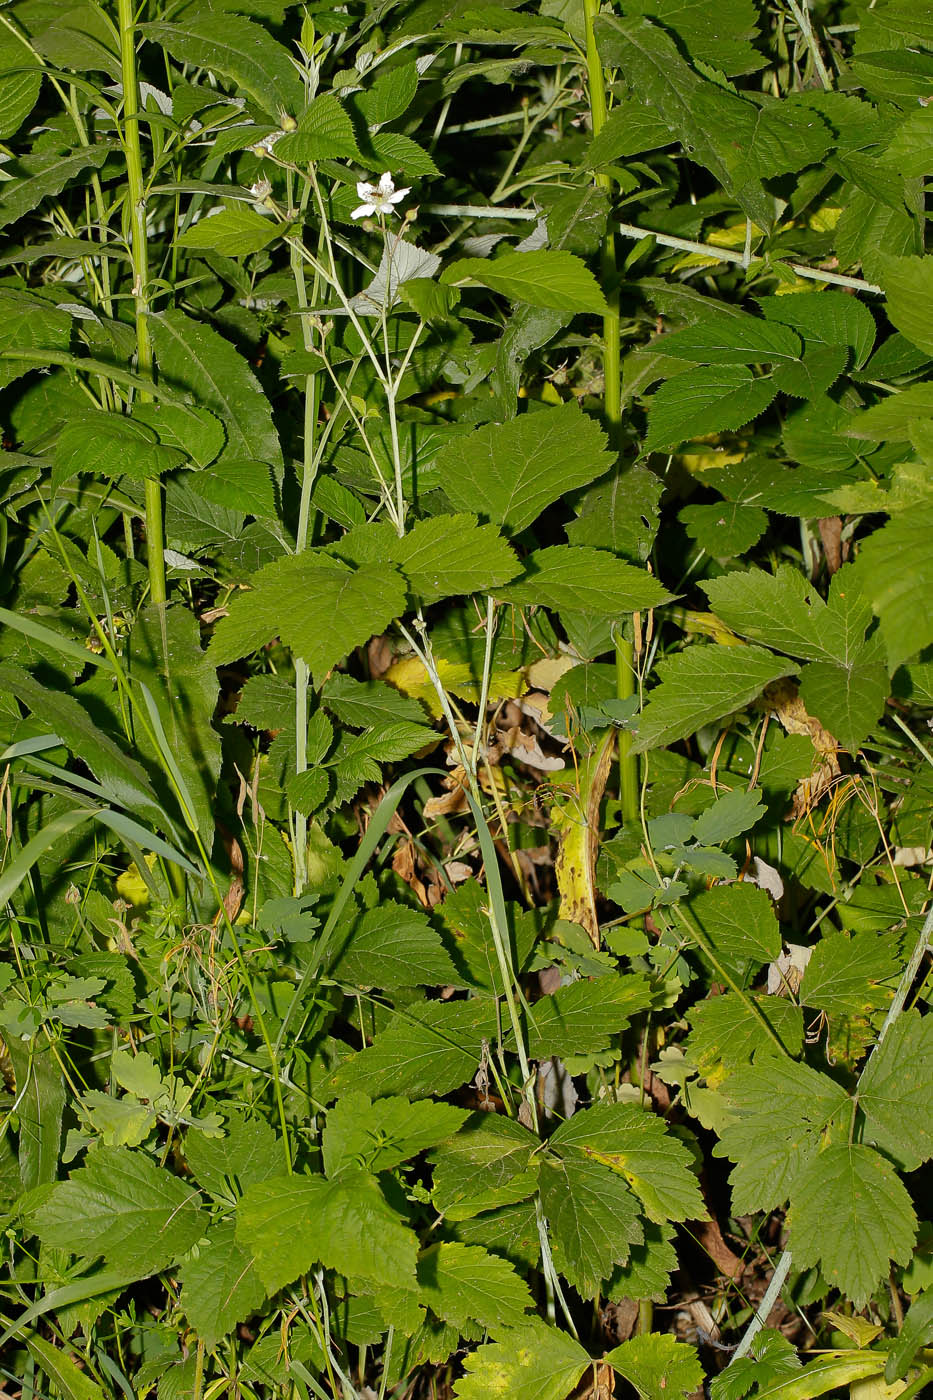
535, 1362
367, 704
650, 1265
290, 1223
238, 485
844, 973
491, 1162
701, 685
113, 445
464, 1285
234, 232
392, 150
916, 1332
581, 1019
896, 1090
221, 1287
908, 286
248, 1152
238, 50
724, 1033
851, 1215
198, 358
29, 322
895, 568
782, 1110
731, 340
738, 920
41, 1094
429, 1048
847, 700
71, 1382
658, 1366
45, 173
728, 817
592, 1222
317, 605
772, 1360
635, 1143
826, 318
511, 471
452, 554
708, 400
579, 579
557, 279
325, 132
619, 514
630, 129
123, 1206
390, 946
18, 91
380, 1135
390, 95
894, 418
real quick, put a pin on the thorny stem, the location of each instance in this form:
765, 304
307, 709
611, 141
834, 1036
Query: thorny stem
155, 532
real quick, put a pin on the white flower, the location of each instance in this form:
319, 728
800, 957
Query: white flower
378, 199
260, 192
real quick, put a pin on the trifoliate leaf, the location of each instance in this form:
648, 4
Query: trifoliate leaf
535, 1362
658, 1366
464, 1284
123, 1206
701, 685
635, 1143
289, 1224
511, 471
851, 1215
221, 1286
896, 1090
592, 1219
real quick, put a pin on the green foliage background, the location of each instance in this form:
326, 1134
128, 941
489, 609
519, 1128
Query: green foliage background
456, 646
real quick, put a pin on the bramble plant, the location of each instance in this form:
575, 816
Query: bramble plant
466, 678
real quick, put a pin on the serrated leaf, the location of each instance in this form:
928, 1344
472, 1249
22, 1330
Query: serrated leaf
658, 1366
556, 279
724, 1033
196, 357
711, 399
248, 1152
288, 1224
851, 1215
491, 1162
238, 485
783, 610
581, 1018
844, 974
123, 1206
452, 554
390, 946
511, 471
390, 95
18, 92
771, 1361
221, 1286
45, 173
896, 1090
592, 1221
535, 1362
731, 340
895, 568
325, 132
619, 514
429, 1048
847, 700
364, 704
636, 1144
826, 318
317, 605
463, 1284
630, 129
238, 50
392, 150
578, 579
738, 921
908, 285
728, 817
113, 445
234, 232
701, 685
380, 1135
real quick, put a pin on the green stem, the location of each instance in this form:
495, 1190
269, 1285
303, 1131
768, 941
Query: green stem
155, 532
612, 377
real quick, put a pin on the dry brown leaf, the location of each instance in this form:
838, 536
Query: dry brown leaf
782, 699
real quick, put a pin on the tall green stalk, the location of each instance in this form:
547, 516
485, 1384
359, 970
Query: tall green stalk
155, 531
612, 376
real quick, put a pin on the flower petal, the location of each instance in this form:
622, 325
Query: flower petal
363, 212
